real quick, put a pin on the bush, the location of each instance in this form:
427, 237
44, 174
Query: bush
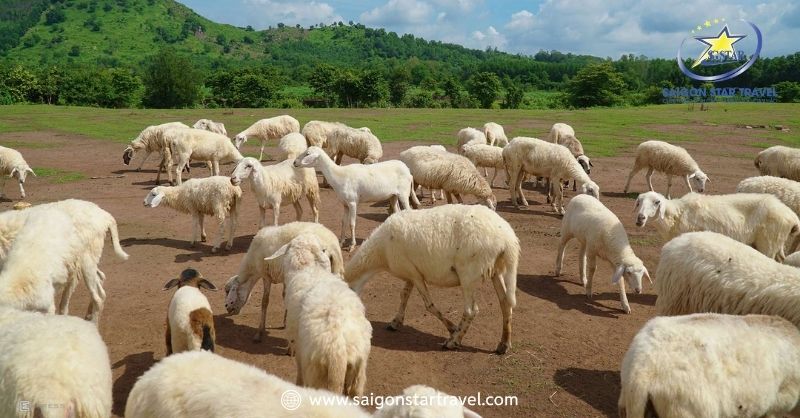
788, 91
596, 85
54, 15
485, 88
170, 81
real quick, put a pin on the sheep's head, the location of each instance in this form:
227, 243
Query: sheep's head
237, 294
365, 129
190, 277
21, 173
303, 251
633, 274
698, 180
244, 168
239, 139
585, 163
591, 188
649, 205
154, 198
309, 157
202, 124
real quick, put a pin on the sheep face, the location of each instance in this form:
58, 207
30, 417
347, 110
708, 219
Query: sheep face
21, 173
309, 157
591, 188
585, 163
302, 251
243, 170
190, 277
201, 124
649, 205
633, 275
237, 294
698, 180
239, 140
154, 198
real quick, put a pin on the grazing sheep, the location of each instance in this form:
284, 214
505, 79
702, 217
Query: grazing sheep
272, 184
291, 145
186, 144
545, 159
712, 365
563, 134
57, 364
447, 246
779, 161
600, 233
751, 218
670, 160
190, 321
495, 134
13, 165
356, 143
468, 136
356, 183
151, 140
210, 125
318, 133
326, 320
710, 272
265, 129
437, 148
204, 384
484, 155
252, 268
454, 174
426, 402
214, 196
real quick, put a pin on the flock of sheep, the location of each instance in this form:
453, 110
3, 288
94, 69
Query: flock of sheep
700, 359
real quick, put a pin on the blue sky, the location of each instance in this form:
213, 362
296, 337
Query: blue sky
596, 27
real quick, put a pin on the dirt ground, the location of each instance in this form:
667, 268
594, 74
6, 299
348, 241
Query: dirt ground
566, 349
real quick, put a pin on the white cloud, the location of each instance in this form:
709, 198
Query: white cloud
521, 21
399, 12
290, 13
464, 6
490, 38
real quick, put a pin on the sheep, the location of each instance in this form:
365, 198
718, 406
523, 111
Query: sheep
467, 136
670, 160
425, 402
52, 366
318, 132
448, 246
495, 134
779, 161
190, 321
365, 129
710, 272
151, 140
356, 183
454, 174
327, 323
272, 184
600, 233
541, 158
356, 143
291, 145
563, 134
483, 155
265, 129
13, 165
751, 218
437, 148
214, 196
252, 268
185, 144
712, 365
210, 125
787, 191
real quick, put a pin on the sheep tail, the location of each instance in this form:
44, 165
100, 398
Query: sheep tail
112, 228
208, 341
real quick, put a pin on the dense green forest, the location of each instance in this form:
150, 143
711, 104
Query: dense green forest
159, 53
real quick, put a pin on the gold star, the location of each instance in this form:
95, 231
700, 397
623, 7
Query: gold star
708, 24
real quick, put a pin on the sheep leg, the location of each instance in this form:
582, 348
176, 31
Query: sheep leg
352, 210
342, 235
558, 199
688, 185
633, 172
393, 207
195, 227
422, 288
90, 308
143, 160
299, 380
649, 177
95, 286
21, 190
458, 196
562, 248
276, 212
401, 313
623, 297
2, 186
494, 177
582, 263
505, 340
233, 219
220, 234
485, 172
669, 185
215, 167
202, 229
263, 219
63, 306
470, 310
298, 210
518, 191
591, 267
262, 325
314, 203
261, 152
449, 197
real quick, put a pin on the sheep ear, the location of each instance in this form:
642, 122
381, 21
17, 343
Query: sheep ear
172, 283
31, 171
471, 414
662, 210
156, 200
205, 284
647, 274
590, 164
229, 283
693, 175
617, 274
281, 251
708, 179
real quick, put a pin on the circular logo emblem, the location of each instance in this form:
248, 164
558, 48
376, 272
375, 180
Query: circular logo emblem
291, 400
720, 44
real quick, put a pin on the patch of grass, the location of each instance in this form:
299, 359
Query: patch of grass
761, 144
57, 176
27, 144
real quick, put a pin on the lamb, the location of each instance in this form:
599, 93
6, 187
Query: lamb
484, 155
318, 132
252, 268
13, 165
214, 196
779, 161
563, 134
326, 320
265, 129
190, 321
454, 174
495, 134
356, 183
712, 365
204, 384
447, 246
751, 218
467, 136
710, 272
210, 125
545, 159
600, 233
151, 140
52, 366
426, 402
670, 160
272, 184
186, 144
356, 143
291, 145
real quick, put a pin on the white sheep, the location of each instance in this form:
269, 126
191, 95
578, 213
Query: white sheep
275, 183
452, 173
787, 191
190, 320
52, 366
447, 246
779, 161
291, 145
600, 233
495, 134
151, 140
210, 125
670, 160
563, 134
13, 165
213, 196
437, 148
751, 218
468, 136
357, 183
356, 143
326, 320
712, 365
203, 384
186, 144
710, 272
318, 133
419, 401
484, 155
252, 267
265, 129
545, 159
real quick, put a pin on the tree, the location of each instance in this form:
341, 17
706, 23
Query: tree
596, 85
54, 15
788, 91
372, 88
514, 94
398, 85
485, 88
323, 80
171, 81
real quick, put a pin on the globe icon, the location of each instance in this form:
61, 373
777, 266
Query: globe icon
291, 400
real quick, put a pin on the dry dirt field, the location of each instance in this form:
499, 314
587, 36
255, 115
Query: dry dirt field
566, 349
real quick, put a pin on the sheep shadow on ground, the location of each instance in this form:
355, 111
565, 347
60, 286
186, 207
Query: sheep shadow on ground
200, 251
376, 217
135, 365
240, 337
507, 207
598, 388
408, 338
550, 288
640, 299
629, 195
